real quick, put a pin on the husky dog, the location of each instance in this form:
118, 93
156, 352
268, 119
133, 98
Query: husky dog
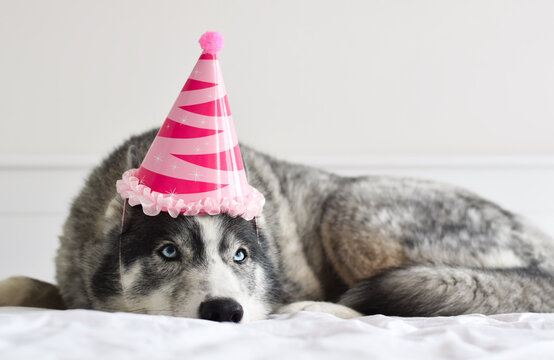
348, 246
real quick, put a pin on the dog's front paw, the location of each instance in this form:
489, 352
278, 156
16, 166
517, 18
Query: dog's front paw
339, 311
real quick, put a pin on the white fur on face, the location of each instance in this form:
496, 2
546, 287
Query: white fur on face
219, 280
130, 276
157, 302
142, 304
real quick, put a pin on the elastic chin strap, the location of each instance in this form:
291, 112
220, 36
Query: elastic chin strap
120, 235
257, 232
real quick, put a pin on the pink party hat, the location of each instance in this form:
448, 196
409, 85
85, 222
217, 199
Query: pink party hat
194, 166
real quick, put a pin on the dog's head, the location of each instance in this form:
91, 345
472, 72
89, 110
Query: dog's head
210, 267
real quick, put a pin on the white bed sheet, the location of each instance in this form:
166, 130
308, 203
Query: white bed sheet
84, 334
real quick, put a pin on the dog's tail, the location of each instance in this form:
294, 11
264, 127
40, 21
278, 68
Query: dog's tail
443, 290
24, 291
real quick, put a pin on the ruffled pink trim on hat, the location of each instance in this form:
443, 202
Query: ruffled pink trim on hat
153, 202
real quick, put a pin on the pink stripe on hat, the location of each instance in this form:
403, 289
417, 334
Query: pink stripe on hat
192, 97
197, 120
173, 129
206, 56
162, 147
207, 71
192, 84
172, 166
170, 185
225, 160
219, 107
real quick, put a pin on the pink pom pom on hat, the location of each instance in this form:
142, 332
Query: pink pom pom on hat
211, 42
194, 165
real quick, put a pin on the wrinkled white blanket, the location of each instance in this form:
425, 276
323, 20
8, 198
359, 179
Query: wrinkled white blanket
84, 334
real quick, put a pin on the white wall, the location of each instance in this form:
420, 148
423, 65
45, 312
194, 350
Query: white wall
304, 77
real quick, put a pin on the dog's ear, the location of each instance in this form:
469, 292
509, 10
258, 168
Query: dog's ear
133, 158
114, 212
114, 215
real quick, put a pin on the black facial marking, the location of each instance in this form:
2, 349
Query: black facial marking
195, 242
145, 235
142, 239
105, 282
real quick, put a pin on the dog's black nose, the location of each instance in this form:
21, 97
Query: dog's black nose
221, 310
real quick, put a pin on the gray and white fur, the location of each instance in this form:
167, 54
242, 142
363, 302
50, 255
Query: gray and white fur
394, 246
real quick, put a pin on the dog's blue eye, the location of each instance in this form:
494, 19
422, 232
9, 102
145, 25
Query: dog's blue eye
240, 256
169, 252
